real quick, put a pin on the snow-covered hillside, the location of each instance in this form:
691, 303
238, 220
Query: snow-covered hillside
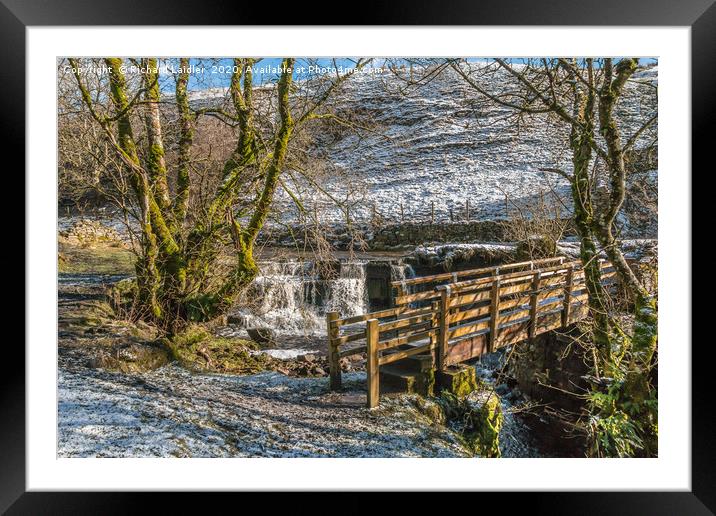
446, 145
440, 144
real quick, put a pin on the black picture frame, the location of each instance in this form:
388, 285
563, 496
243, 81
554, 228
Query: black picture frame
17, 15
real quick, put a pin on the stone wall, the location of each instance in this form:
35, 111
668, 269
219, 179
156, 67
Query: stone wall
549, 366
391, 236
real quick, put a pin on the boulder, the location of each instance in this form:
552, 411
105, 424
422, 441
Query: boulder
263, 336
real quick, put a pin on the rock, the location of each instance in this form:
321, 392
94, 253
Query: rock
307, 358
431, 409
486, 422
502, 389
459, 380
264, 336
132, 358
319, 371
235, 320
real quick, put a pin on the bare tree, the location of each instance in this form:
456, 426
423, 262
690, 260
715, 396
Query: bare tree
186, 218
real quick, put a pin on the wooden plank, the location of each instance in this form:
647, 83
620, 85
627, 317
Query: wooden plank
465, 349
469, 298
434, 338
516, 289
334, 364
474, 272
507, 278
349, 338
400, 312
466, 329
569, 287
494, 314
389, 312
457, 316
508, 304
444, 324
514, 315
514, 333
372, 364
553, 282
404, 339
405, 322
549, 306
411, 298
404, 353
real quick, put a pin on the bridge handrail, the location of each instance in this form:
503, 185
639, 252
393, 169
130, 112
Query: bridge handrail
403, 297
464, 320
471, 272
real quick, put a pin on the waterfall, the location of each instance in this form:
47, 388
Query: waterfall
401, 272
292, 297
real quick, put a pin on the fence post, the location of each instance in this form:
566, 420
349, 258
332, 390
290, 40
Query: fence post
444, 321
435, 335
372, 373
494, 314
569, 286
432, 212
537, 276
467, 210
334, 363
402, 214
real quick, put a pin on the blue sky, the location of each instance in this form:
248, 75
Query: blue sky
217, 71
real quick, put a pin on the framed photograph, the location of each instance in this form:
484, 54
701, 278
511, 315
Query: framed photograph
427, 234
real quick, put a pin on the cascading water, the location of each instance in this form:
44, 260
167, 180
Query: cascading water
292, 297
401, 271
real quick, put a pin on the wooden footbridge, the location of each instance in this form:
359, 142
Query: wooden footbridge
453, 317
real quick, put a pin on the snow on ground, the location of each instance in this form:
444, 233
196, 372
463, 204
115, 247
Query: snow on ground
171, 412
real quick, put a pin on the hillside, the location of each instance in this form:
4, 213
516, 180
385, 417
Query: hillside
443, 144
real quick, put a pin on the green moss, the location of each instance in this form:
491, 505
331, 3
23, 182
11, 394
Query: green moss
431, 409
478, 419
197, 349
486, 423
133, 358
459, 381
97, 259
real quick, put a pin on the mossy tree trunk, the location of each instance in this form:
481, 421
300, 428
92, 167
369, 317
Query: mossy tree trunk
177, 272
645, 335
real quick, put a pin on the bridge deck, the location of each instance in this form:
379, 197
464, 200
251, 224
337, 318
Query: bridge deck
459, 316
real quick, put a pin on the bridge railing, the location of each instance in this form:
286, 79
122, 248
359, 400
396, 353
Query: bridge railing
422, 288
463, 320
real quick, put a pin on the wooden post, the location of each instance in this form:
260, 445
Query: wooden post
569, 286
372, 372
374, 218
334, 363
402, 214
435, 336
533, 303
467, 209
452, 218
494, 315
432, 212
444, 323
